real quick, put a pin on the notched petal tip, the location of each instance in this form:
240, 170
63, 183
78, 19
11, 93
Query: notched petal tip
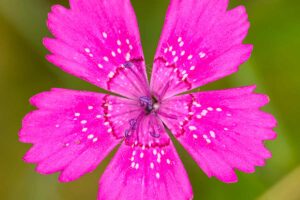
57, 8
23, 133
273, 135
65, 179
231, 180
228, 178
247, 50
47, 42
28, 158
41, 170
38, 98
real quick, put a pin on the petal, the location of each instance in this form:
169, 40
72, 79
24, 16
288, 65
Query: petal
200, 43
99, 42
145, 173
68, 133
223, 130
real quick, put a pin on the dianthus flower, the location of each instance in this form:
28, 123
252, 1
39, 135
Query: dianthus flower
98, 41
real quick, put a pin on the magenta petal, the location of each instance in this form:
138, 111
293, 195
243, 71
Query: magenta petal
145, 173
99, 42
223, 130
200, 43
68, 133
85, 162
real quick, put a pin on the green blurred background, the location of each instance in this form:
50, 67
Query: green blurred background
274, 67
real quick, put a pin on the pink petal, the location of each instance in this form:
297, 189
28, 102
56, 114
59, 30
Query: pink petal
99, 42
200, 43
68, 133
145, 173
223, 130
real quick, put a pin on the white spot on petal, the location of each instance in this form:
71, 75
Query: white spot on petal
181, 44
212, 134
202, 54
132, 164
184, 77
168, 161
111, 74
141, 155
104, 34
84, 129
192, 128
100, 66
134, 153
105, 59
83, 122
157, 175
175, 59
219, 109
204, 112
210, 109
127, 57
158, 160
106, 123
152, 165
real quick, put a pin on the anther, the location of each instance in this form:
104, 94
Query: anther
154, 134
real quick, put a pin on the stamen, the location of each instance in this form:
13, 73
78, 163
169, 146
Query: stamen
128, 64
154, 134
132, 123
146, 102
128, 133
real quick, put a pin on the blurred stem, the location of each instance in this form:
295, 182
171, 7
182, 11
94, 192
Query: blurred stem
287, 188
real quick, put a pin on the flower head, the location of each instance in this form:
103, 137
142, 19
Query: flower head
98, 41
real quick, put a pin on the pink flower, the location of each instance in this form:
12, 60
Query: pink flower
98, 41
